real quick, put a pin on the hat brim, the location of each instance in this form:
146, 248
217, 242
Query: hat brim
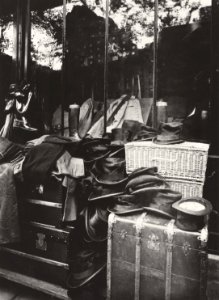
74, 283
160, 212
125, 211
97, 158
147, 189
110, 183
95, 196
207, 206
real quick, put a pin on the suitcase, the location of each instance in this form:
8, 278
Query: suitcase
48, 241
150, 258
45, 212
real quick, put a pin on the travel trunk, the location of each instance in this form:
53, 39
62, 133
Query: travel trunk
47, 241
150, 258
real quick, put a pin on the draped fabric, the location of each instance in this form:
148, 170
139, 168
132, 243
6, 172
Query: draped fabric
9, 223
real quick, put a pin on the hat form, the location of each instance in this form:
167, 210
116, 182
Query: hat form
192, 213
170, 133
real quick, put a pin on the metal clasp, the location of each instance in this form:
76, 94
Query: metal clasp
153, 243
41, 243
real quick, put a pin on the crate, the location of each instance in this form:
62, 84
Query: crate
187, 160
187, 188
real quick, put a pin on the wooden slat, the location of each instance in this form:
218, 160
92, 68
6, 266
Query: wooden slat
34, 257
36, 284
43, 203
213, 277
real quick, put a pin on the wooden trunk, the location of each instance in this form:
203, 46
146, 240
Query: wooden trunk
150, 258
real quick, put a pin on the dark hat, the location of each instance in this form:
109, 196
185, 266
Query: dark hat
117, 137
161, 201
109, 178
170, 133
94, 149
96, 223
84, 267
192, 213
103, 190
144, 178
110, 170
125, 204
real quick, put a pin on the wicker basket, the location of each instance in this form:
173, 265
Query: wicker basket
186, 161
187, 188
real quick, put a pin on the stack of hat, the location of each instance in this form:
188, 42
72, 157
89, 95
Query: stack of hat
146, 190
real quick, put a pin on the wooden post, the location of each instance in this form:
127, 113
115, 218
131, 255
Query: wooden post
63, 79
155, 48
215, 77
27, 37
105, 84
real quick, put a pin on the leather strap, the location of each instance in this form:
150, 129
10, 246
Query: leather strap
139, 227
204, 263
111, 222
170, 233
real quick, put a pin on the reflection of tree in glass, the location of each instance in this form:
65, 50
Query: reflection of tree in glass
134, 20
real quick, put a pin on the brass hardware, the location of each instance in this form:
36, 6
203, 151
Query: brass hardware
186, 248
153, 243
41, 243
123, 234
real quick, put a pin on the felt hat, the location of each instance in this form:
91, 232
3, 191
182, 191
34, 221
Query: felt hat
96, 223
125, 204
110, 170
192, 213
86, 265
94, 149
143, 179
170, 133
162, 200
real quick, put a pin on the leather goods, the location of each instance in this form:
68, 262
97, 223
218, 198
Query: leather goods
150, 258
47, 240
96, 222
170, 133
84, 267
192, 213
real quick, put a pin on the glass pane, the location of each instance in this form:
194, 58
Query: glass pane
6, 54
184, 63
131, 37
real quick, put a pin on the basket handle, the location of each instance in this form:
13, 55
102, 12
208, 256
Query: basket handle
164, 159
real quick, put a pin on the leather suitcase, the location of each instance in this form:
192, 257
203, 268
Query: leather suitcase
48, 241
45, 212
150, 258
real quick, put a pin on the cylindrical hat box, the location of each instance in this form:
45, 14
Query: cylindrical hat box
74, 110
161, 112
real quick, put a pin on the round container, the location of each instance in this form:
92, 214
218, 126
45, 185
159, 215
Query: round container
161, 112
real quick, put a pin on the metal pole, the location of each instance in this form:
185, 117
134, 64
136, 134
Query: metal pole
27, 39
105, 86
63, 66
155, 48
